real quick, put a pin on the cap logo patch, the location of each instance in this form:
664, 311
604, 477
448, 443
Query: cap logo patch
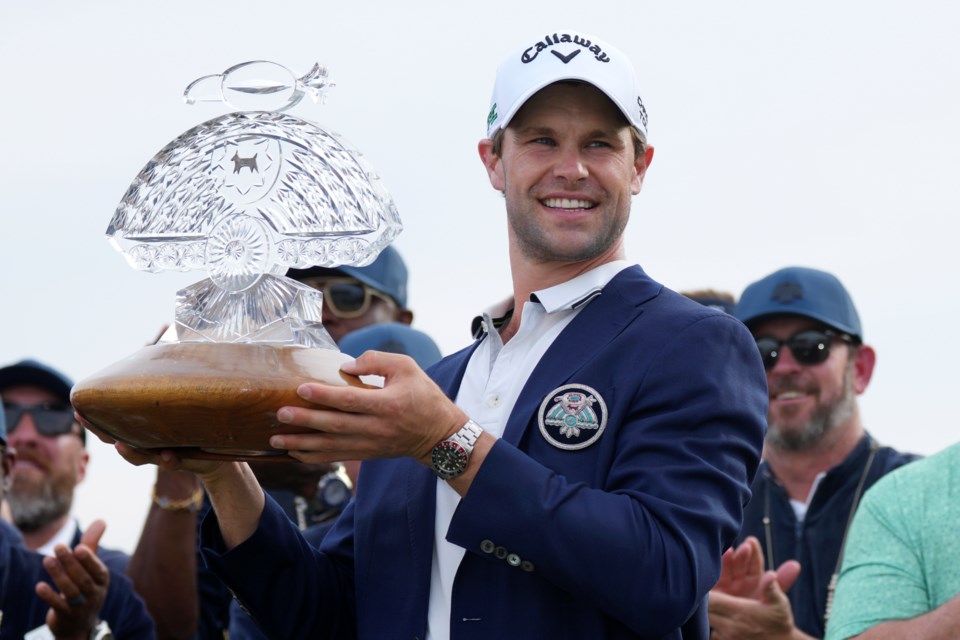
572, 417
565, 59
530, 53
492, 116
787, 292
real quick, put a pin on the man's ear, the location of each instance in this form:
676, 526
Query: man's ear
82, 460
641, 164
864, 362
492, 163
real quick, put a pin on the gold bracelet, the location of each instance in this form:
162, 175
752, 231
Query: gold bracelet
192, 504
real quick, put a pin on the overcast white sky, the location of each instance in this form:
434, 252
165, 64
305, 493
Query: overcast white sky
819, 133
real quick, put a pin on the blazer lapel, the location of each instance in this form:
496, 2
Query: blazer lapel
597, 324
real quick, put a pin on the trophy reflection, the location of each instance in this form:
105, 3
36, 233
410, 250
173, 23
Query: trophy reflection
245, 197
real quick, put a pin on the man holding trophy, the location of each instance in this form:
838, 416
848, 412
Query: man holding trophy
575, 472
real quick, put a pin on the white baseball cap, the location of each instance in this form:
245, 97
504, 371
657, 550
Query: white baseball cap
565, 55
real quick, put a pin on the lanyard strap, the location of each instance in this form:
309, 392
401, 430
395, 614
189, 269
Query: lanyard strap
768, 528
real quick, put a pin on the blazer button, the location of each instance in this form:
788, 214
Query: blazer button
500, 552
487, 546
526, 565
513, 560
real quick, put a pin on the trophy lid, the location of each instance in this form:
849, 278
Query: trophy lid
247, 196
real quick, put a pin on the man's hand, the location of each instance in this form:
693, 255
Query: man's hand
750, 603
741, 571
82, 579
167, 459
407, 417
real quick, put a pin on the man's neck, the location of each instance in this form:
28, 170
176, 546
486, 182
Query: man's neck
530, 276
797, 470
35, 539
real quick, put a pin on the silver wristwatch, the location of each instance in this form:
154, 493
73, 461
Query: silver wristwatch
101, 631
449, 457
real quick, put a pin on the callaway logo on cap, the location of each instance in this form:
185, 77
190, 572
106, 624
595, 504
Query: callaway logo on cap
565, 55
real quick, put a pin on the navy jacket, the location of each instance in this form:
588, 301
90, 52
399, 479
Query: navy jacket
23, 611
816, 542
621, 539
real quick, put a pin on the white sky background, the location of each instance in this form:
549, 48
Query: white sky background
819, 133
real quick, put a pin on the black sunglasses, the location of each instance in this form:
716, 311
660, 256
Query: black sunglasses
346, 297
808, 347
50, 419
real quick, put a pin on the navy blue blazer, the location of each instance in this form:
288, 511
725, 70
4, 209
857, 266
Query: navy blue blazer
621, 539
22, 610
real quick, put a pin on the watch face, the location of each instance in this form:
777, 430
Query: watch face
449, 459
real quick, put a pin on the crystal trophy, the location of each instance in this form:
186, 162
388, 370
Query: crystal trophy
244, 197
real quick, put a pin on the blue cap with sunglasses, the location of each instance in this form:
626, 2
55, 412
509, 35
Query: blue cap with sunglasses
387, 274
800, 291
36, 374
392, 337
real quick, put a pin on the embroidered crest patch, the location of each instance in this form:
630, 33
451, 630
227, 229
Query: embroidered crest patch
572, 417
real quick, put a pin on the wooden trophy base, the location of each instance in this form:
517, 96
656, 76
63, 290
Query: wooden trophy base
205, 400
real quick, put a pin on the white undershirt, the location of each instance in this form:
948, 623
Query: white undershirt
64, 536
491, 384
800, 508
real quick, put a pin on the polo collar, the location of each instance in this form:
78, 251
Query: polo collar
566, 296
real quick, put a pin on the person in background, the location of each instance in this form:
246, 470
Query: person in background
576, 472
70, 594
52, 458
357, 297
901, 571
818, 458
721, 300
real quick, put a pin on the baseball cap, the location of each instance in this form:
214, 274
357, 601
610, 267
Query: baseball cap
800, 291
392, 337
565, 55
387, 274
37, 374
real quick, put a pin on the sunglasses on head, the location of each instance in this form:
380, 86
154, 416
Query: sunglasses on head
808, 347
346, 297
49, 419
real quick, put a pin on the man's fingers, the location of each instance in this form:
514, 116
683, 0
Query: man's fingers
81, 569
787, 574
91, 537
756, 555
770, 588
323, 420
53, 599
742, 561
340, 399
165, 459
379, 363
70, 591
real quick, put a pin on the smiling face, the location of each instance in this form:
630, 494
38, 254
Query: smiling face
568, 170
808, 402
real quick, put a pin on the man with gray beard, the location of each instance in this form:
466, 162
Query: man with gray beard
818, 459
51, 458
